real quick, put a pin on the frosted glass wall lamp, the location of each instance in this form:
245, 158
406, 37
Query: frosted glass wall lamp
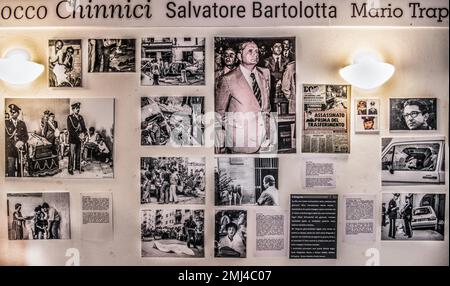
16, 67
367, 71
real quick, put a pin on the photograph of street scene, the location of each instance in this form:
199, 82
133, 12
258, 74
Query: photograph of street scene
408, 216
172, 233
173, 61
173, 180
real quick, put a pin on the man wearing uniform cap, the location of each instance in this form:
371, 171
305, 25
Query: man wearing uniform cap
16, 138
392, 213
77, 131
270, 196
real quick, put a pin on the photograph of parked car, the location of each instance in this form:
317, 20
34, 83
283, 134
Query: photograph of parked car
412, 161
413, 216
173, 61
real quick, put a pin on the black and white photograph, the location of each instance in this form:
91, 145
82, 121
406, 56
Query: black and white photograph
413, 216
64, 63
173, 180
367, 114
412, 161
255, 95
413, 114
172, 233
172, 121
173, 61
59, 137
230, 233
111, 55
246, 181
38, 216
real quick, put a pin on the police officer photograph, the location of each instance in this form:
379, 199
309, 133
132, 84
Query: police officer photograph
413, 216
413, 114
253, 98
16, 142
51, 138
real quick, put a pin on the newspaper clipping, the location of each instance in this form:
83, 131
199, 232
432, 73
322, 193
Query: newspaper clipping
326, 119
96, 211
271, 233
359, 217
319, 173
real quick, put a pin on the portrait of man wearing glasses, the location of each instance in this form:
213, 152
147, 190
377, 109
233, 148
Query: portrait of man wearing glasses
416, 115
413, 114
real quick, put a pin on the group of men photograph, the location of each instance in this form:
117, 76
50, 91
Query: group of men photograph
255, 83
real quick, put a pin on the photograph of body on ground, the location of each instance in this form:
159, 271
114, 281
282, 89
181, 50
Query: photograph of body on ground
172, 233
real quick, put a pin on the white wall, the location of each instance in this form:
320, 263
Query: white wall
420, 56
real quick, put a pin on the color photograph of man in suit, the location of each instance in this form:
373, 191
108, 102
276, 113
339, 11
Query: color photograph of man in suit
242, 104
77, 131
16, 139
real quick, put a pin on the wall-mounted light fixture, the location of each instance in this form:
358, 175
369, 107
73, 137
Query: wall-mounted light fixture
16, 67
367, 71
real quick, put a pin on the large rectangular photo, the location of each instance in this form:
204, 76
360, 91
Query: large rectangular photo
418, 216
64, 63
38, 216
173, 180
59, 137
412, 160
255, 95
326, 118
246, 181
172, 121
172, 233
173, 61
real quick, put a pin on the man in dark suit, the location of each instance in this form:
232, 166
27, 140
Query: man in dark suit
16, 138
392, 213
77, 132
276, 63
287, 51
242, 104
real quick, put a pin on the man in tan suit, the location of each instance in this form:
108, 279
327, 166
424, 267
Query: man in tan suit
242, 104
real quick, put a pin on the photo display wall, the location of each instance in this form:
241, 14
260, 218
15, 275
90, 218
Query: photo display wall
224, 145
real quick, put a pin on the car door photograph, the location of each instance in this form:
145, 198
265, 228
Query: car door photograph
408, 161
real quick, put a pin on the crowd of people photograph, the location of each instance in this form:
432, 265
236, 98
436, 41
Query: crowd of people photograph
173, 180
